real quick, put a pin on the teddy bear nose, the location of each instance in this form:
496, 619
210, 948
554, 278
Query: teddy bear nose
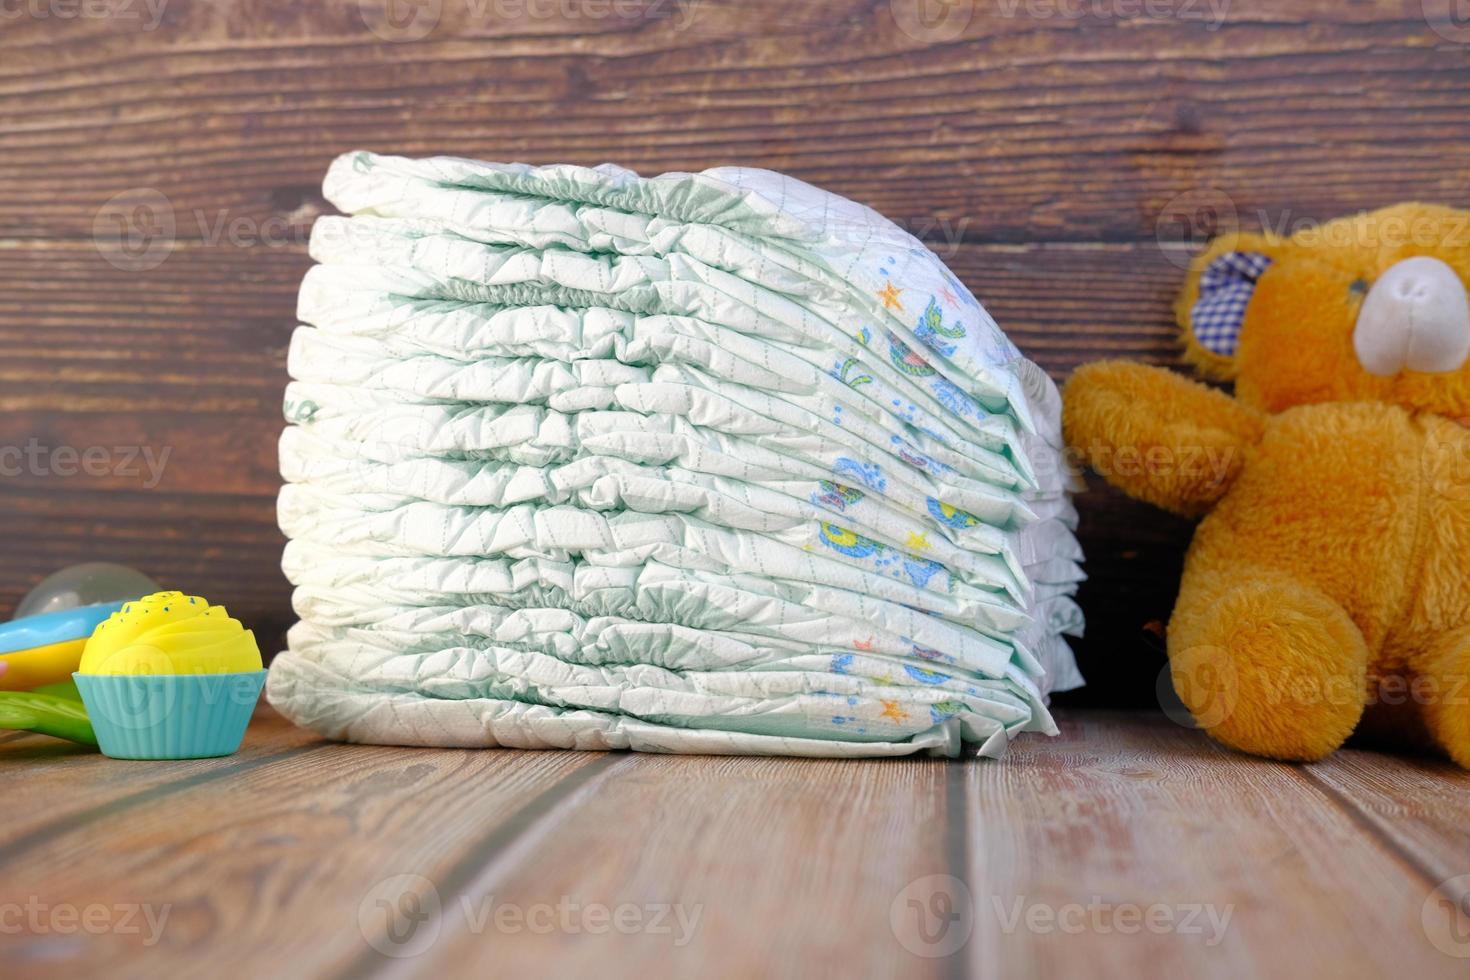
1415, 318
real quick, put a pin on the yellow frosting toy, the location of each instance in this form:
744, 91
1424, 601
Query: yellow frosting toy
170, 633
170, 677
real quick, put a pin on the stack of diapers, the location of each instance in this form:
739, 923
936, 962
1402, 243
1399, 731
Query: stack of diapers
709, 463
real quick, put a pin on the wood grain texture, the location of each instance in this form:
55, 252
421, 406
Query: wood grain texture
41, 775
264, 869
1137, 813
780, 864
1128, 844
1045, 150
1038, 120
1419, 808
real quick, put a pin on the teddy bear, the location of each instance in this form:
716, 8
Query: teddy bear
1327, 586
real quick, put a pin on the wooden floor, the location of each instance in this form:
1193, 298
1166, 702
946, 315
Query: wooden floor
1128, 846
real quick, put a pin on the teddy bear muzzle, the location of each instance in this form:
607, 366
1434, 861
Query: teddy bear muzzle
1415, 318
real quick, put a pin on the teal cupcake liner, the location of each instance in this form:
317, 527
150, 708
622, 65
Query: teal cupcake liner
170, 716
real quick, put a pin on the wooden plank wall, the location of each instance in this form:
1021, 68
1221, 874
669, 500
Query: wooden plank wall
160, 163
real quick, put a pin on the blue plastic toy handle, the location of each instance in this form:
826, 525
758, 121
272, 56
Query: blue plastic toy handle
56, 627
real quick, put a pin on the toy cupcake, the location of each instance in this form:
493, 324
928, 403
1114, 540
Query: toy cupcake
170, 677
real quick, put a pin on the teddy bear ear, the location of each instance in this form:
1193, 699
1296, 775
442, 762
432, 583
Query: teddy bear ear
1211, 310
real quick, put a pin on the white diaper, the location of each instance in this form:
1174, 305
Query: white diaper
707, 463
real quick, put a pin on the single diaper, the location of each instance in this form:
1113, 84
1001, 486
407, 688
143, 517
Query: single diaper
698, 463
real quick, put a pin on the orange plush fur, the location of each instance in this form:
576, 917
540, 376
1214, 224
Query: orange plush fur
1330, 574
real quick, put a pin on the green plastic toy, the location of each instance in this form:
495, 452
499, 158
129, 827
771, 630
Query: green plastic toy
56, 711
42, 646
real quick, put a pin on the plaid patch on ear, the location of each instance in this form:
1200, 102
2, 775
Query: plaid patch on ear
1225, 289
